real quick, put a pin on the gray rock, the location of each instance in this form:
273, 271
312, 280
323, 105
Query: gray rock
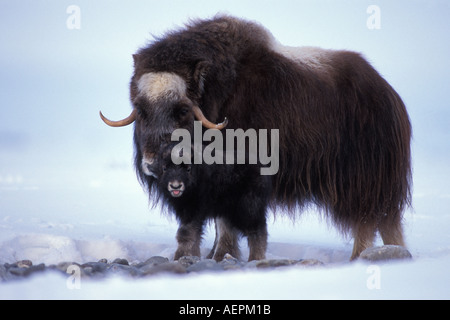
25, 272
187, 261
92, 269
152, 266
229, 259
231, 263
385, 253
122, 269
121, 261
205, 265
153, 261
274, 263
168, 267
8, 265
309, 263
24, 263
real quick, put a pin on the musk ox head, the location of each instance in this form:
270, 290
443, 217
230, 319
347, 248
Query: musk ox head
162, 102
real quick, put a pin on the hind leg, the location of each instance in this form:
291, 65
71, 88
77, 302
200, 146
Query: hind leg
257, 243
227, 240
391, 230
364, 234
211, 253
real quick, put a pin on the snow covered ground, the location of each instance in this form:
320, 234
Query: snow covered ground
68, 191
51, 226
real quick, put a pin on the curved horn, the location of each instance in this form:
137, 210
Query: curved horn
121, 123
205, 122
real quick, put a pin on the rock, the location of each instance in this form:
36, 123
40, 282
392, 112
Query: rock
384, 253
168, 267
230, 263
24, 263
153, 261
309, 263
229, 259
25, 272
156, 260
121, 261
122, 269
152, 266
93, 269
205, 265
273, 263
8, 265
187, 261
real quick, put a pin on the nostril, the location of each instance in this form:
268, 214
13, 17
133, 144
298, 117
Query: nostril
176, 185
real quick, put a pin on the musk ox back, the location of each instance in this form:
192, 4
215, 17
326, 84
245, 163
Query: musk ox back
236, 196
344, 132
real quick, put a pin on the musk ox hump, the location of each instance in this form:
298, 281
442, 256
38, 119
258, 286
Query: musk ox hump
161, 85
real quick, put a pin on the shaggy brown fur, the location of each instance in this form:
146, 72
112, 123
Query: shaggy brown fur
344, 131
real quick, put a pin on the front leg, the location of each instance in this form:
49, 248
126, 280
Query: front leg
189, 237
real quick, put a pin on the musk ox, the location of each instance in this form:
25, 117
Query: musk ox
235, 195
344, 132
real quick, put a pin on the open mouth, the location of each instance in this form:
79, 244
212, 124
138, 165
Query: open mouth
176, 193
176, 188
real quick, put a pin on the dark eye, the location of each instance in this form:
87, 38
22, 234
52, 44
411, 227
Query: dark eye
164, 168
140, 113
183, 111
141, 106
188, 169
